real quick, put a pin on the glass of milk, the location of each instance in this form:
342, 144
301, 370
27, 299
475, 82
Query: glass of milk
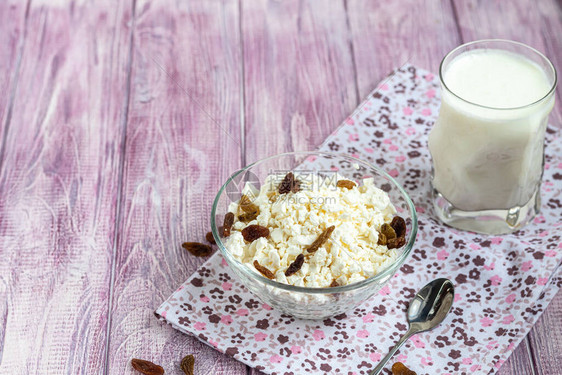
487, 144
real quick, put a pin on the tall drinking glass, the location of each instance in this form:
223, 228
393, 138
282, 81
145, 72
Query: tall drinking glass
487, 144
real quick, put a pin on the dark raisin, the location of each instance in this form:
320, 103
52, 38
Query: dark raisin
264, 271
253, 232
334, 284
227, 225
197, 249
209, 237
399, 226
289, 184
187, 364
400, 369
146, 367
295, 266
395, 243
346, 184
322, 238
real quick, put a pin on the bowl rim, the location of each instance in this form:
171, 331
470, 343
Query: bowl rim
387, 271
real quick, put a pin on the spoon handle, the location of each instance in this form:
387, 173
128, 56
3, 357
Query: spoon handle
400, 342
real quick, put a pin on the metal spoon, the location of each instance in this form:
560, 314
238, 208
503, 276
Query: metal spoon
427, 310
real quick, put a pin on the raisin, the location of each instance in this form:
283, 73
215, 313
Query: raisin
246, 205
334, 284
289, 184
295, 266
400, 369
388, 231
249, 210
146, 367
399, 226
395, 243
227, 225
253, 232
197, 249
382, 239
264, 271
187, 364
248, 216
346, 184
209, 237
322, 238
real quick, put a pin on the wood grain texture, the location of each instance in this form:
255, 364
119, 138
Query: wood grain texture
120, 120
299, 76
58, 185
386, 35
545, 341
182, 142
13, 16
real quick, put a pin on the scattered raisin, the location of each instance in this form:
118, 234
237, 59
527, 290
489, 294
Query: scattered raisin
289, 184
395, 243
322, 238
228, 221
197, 249
400, 369
388, 231
253, 232
295, 266
146, 367
187, 364
209, 237
264, 271
249, 210
346, 184
399, 226
382, 239
334, 284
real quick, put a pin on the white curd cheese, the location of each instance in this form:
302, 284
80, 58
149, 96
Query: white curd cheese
295, 220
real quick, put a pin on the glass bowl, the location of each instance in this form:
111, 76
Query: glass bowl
306, 302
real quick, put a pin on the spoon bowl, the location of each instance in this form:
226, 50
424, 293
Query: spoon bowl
431, 304
427, 310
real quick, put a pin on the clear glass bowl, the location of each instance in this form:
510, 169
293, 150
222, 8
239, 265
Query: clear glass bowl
304, 302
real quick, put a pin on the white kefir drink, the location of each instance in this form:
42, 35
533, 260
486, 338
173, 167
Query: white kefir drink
487, 144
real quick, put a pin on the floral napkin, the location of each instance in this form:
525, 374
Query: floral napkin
502, 283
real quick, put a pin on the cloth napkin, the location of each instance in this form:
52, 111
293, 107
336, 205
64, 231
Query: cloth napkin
502, 283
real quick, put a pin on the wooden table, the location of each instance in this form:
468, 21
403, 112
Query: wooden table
120, 119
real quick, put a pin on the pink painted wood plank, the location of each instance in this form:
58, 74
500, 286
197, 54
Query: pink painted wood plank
388, 34
299, 75
417, 32
538, 24
283, 73
58, 186
12, 26
183, 141
545, 339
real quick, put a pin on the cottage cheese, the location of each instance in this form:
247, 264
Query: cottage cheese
295, 220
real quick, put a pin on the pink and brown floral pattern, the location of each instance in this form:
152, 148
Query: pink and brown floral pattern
503, 283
